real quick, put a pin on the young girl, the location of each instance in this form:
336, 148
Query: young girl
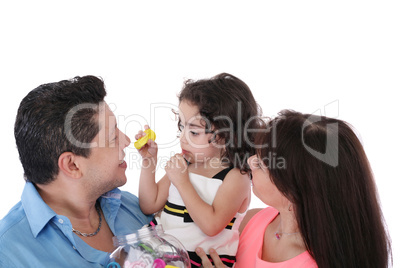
206, 190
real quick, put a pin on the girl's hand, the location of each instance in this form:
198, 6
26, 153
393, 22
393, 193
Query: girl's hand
176, 169
206, 263
149, 150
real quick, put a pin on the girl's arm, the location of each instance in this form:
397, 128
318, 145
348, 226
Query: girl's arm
232, 196
152, 196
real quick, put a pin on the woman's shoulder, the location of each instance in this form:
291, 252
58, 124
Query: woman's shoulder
250, 213
255, 214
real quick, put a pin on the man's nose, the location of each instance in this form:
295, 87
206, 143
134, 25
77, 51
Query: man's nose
124, 139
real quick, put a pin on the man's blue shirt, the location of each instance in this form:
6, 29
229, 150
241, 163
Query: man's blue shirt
33, 235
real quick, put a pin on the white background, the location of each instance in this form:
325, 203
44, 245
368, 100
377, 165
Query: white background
304, 55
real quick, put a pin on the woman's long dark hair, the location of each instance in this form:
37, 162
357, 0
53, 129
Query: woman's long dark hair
328, 178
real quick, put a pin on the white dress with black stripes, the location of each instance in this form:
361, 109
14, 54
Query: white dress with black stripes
177, 222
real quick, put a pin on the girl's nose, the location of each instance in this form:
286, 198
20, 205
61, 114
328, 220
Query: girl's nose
182, 137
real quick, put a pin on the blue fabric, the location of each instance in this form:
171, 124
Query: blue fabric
33, 235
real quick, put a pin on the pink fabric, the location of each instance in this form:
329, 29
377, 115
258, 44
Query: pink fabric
251, 240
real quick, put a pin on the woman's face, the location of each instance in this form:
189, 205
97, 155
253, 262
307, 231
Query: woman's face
263, 187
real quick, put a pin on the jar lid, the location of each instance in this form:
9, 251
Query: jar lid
142, 233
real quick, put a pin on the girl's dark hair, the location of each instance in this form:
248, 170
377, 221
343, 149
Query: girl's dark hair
328, 178
229, 110
40, 127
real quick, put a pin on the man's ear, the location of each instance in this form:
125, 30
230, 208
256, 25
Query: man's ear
67, 165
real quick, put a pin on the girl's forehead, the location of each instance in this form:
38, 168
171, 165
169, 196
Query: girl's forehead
189, 115
189, 112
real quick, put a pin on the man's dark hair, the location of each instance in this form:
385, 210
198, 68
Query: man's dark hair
40, 130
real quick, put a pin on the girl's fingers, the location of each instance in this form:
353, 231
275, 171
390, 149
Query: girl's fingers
152, 144
140, 134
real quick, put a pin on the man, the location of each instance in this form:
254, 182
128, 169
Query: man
72, 153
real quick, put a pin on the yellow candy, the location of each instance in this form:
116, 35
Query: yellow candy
142, 141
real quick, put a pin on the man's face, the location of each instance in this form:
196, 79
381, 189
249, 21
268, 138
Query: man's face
105, 168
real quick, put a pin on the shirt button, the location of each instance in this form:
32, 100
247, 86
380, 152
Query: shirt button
61, 221
74, 248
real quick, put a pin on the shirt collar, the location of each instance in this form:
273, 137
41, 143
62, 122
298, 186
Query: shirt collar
110, 203
33, 202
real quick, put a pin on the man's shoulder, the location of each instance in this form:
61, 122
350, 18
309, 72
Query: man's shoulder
130, 216
14, 232
129, 197
12, 221
130, 202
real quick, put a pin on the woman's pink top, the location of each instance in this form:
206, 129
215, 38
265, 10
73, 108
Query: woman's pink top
251, 240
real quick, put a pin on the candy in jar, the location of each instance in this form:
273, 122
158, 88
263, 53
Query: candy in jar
149, 247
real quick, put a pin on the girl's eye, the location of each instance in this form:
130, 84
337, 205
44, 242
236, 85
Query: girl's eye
181, 127
194, 133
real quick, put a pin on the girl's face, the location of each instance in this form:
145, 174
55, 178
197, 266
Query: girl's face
263, 187
195, 142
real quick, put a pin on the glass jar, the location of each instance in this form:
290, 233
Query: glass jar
149, 247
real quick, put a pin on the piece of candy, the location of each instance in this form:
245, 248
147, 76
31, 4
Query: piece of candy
142, 141
159, 263
113, 265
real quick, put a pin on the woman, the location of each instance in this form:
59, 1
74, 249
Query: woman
324, 210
